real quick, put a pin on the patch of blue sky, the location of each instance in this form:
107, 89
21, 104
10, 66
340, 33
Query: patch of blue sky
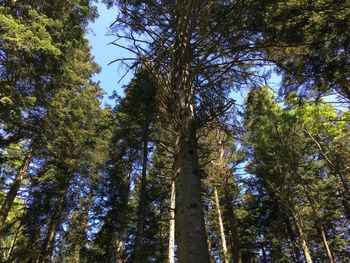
104, 53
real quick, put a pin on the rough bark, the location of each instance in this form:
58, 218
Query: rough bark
171, 248
221, 225
12, 193
142, 207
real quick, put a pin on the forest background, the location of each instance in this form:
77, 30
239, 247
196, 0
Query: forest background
227, 139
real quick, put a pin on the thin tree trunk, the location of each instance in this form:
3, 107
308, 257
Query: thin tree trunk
221, 225
81, 233
142, 208
48, 244
124, 190
13, 242
11, 195
171, 249
235, 245
302, 238
293, 239
319, 227
263, 252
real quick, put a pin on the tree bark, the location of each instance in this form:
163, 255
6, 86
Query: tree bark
302, 238
48, 244
319, 227
189, 217
81, 233
293, 239
13, 242
221, 225
142, 207
124, 189
11, 195
171, 249
235, 246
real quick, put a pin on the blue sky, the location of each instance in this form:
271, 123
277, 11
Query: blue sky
104, 53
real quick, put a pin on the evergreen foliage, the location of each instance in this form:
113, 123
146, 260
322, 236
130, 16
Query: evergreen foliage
177, 170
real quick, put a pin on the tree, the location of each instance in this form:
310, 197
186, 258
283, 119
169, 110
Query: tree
287, 161
194, 62
309, 43
35, 66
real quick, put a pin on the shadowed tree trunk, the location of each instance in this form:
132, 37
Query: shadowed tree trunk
235, 245
81, 233
142, 208
11, 195
123, 219
319, 226
293, 239
48, 244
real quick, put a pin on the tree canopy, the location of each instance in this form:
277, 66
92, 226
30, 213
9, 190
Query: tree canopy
180, 168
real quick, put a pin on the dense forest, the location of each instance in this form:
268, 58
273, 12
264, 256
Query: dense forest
178, 170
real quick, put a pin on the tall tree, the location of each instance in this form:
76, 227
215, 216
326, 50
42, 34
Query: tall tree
192, 57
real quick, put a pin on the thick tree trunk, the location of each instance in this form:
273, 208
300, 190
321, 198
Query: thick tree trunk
221, 225
189, 217
142, 208
171, 248
11, 195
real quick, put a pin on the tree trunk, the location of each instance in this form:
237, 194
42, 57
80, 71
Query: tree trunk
319, 226
142, 208
81, 233
302, 238
189, 217
124, 189
11, 195
293, 239
48, 244
221, 225
13, 242
235, 246
171, 249
263, 252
